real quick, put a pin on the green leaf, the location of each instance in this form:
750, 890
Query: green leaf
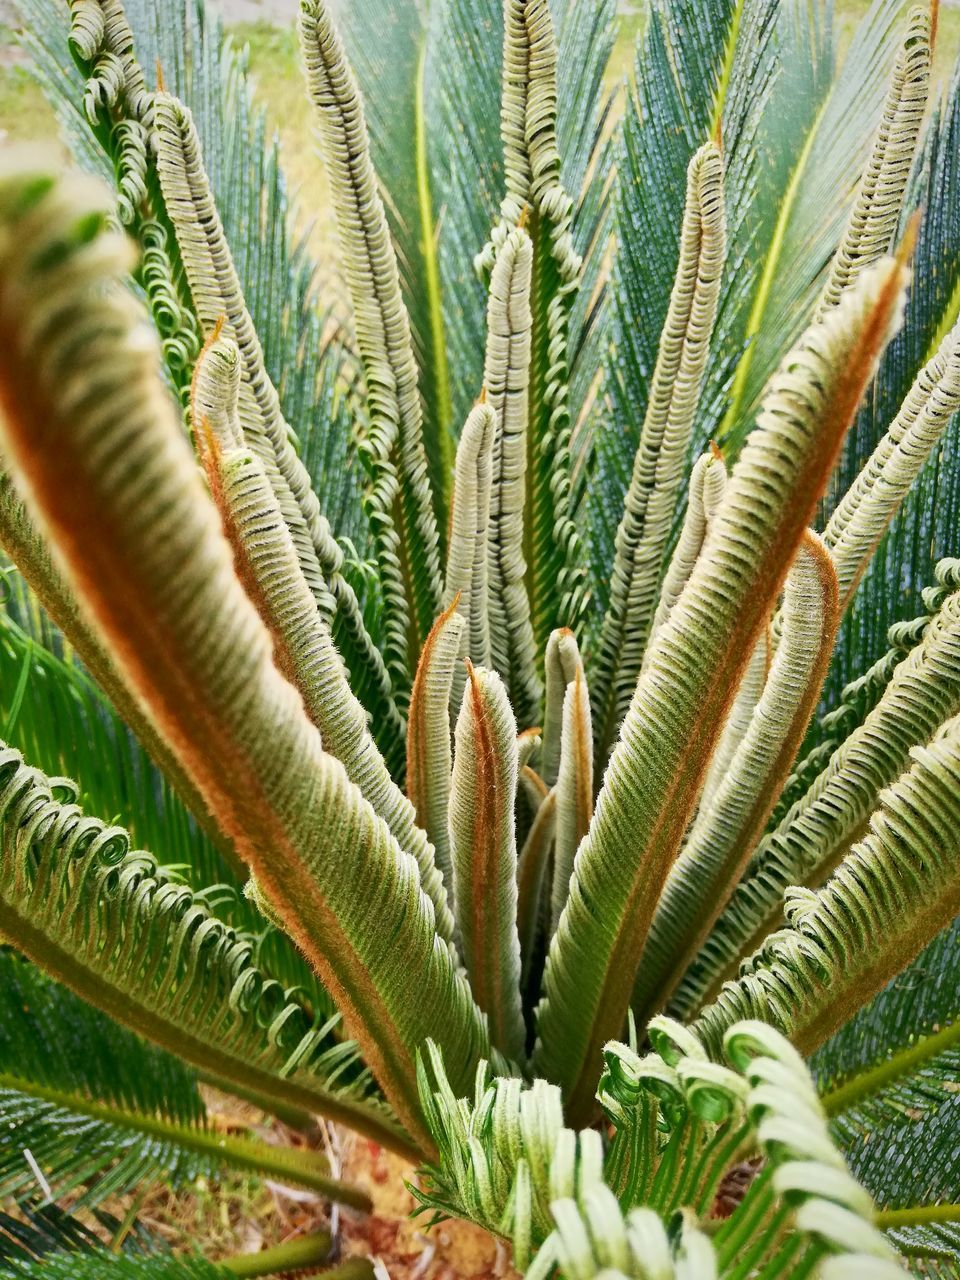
483, 851
894, 891
399, 501
637, 830
50, 1037
197, 653
387, 44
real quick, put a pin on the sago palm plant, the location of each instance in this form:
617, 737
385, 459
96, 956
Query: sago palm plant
550, 803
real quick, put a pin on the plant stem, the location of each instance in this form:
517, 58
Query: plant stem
292, 1256
918, 1216
304, 1168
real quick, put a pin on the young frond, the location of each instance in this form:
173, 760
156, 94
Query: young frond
664, 444
682, 697
896, 888
399, 502
161, 572
483, 846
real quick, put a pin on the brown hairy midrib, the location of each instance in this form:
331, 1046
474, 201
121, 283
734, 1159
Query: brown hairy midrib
486, 974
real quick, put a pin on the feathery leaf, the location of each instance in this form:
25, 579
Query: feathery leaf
654, 777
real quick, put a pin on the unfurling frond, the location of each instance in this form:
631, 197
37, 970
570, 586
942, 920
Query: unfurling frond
561, 664
483, 847
748, 695
400, 506
894, 891
131, 939
120, 108
875, 215
864, 513
505, 1155
508, 1162
655, 774
506, 378
467, 558
708, 481
819, 828
105, 465
574, 789
797, 1206
727, 830
219, 303
532, 868
528, 124
268, 566
664, 443
429, 758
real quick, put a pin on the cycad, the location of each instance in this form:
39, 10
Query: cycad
436, 807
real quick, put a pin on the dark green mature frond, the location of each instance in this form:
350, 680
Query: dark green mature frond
51, 1038
102, 1265
34, 1233
301, 1253
889, 1079
820, 142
